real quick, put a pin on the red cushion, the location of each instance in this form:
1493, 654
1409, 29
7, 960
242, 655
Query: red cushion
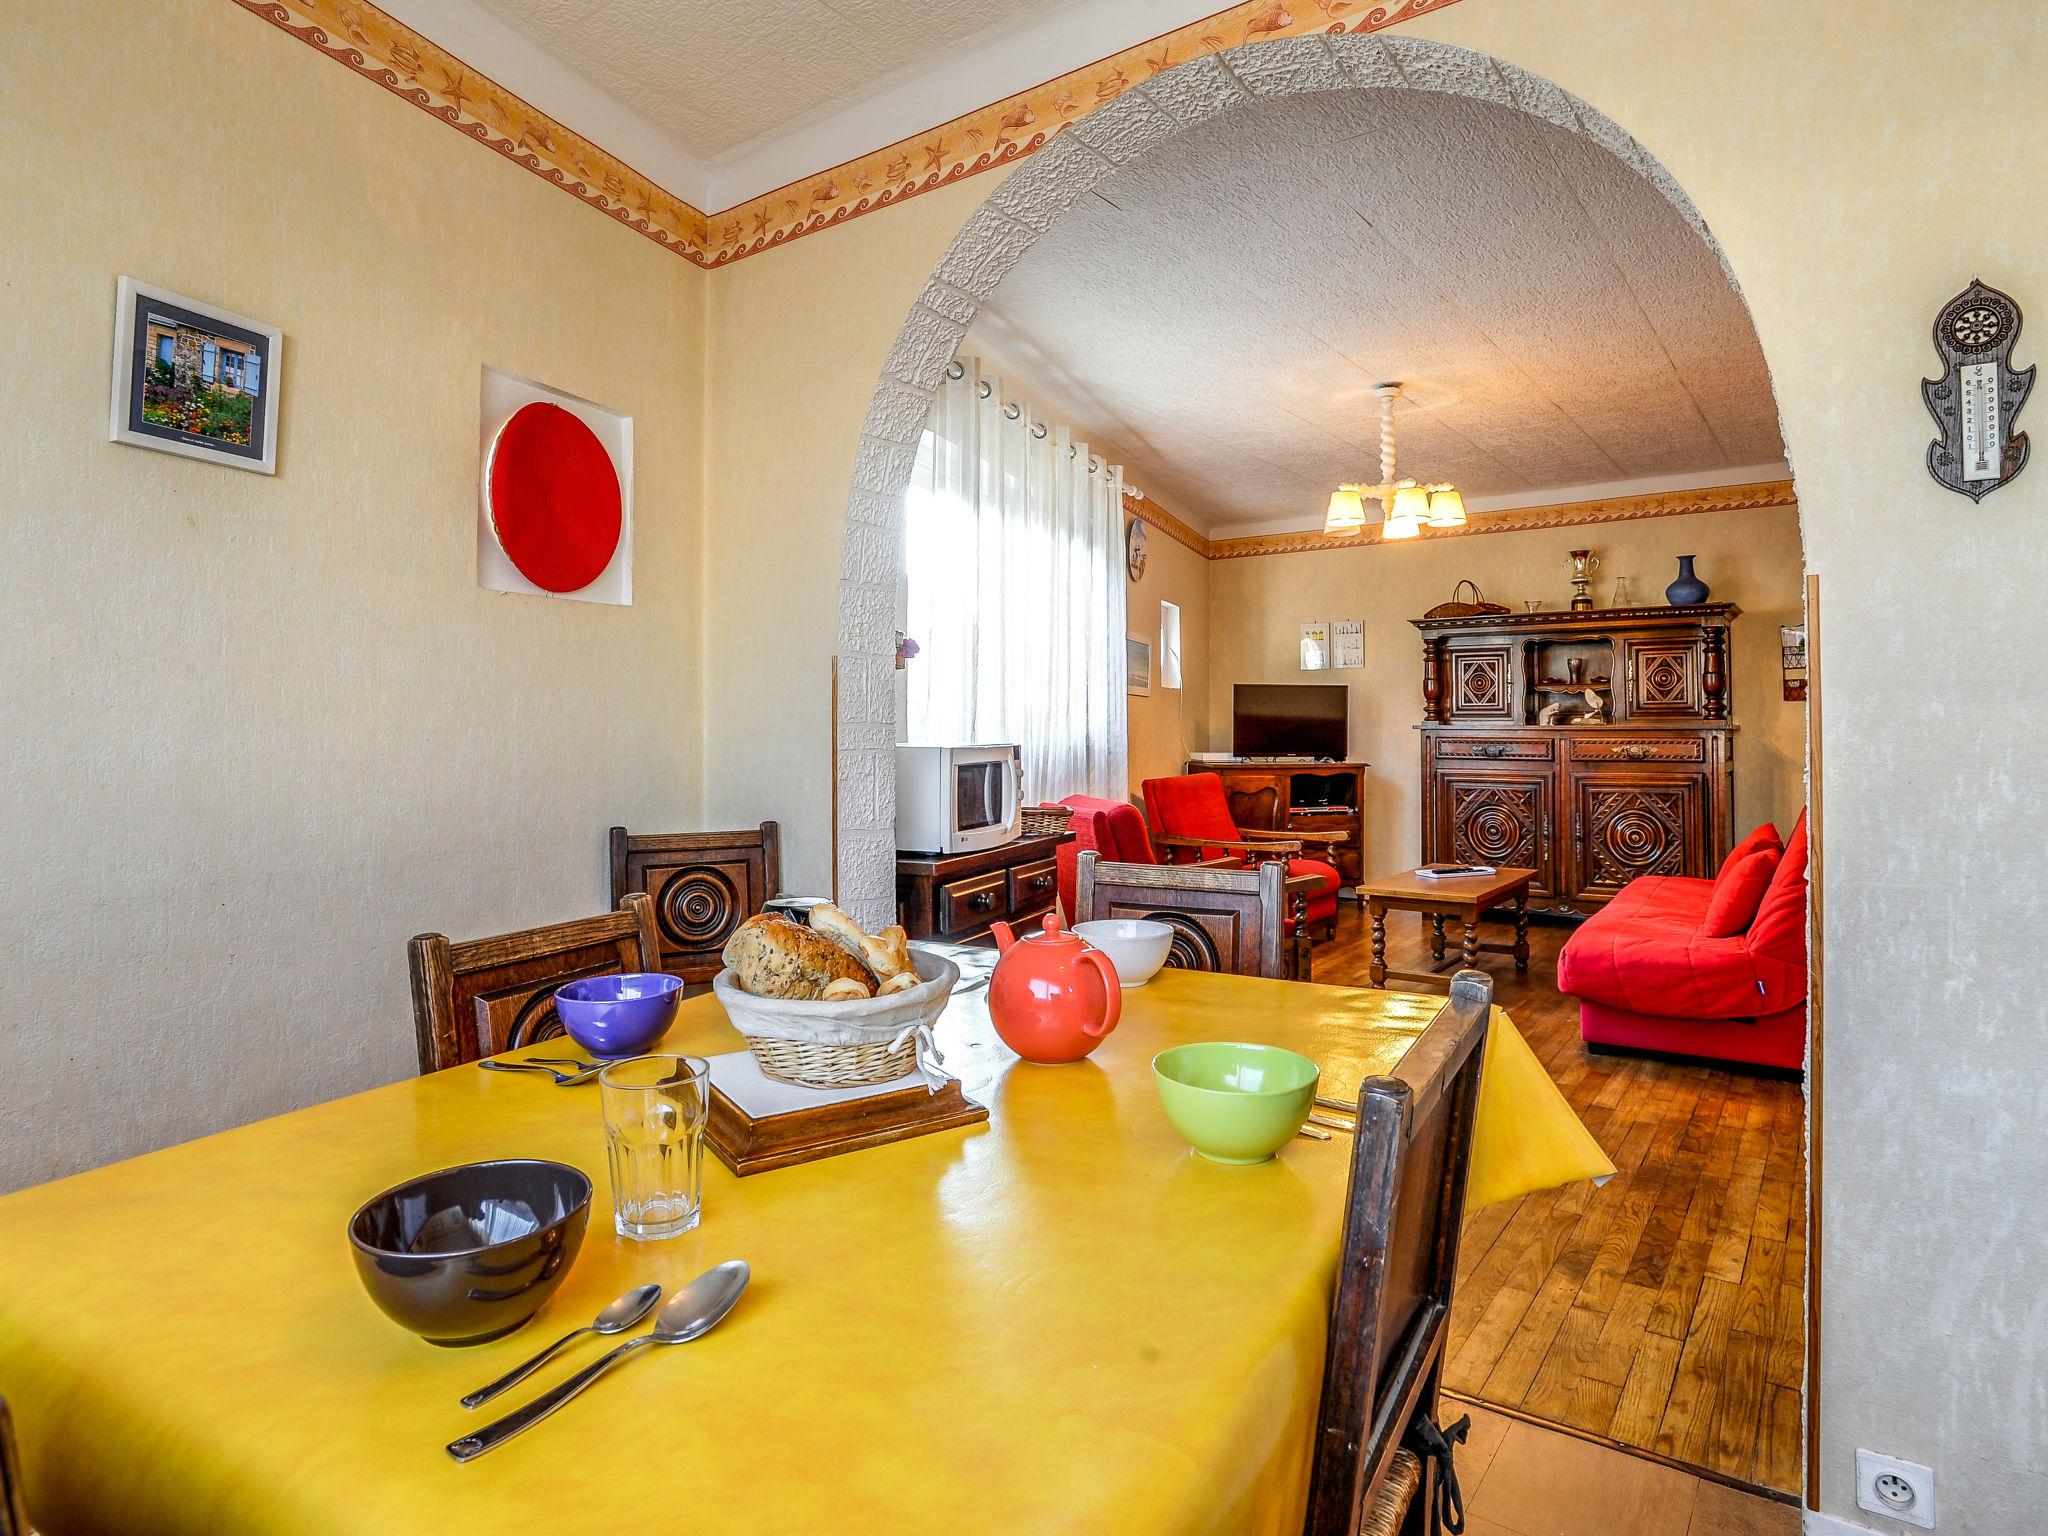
1322, 901
1737, 893
1191, 805
1765, 836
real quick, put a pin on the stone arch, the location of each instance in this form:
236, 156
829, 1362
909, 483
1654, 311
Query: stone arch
1021, 209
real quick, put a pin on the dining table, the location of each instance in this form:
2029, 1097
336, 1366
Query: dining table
1057, 1320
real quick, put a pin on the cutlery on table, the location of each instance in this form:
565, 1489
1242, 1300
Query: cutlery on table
616, 1318
693, 1312
573, 1063
1313, 1134
1347, 1106
1333, 1125
562, 1079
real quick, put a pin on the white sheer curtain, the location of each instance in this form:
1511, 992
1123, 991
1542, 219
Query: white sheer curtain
1015, 538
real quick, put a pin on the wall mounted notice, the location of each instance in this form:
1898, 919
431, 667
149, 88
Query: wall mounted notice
1347, 643
1315, 645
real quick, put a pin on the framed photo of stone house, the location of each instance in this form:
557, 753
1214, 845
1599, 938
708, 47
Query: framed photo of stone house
193, 379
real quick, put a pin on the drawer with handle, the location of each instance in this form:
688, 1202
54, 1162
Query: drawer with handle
1520, 750
1033, 886
967, 905
1682, 750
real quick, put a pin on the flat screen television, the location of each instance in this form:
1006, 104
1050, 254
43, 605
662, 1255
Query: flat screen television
1291, 720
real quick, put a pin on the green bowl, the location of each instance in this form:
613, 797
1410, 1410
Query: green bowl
1235, 1103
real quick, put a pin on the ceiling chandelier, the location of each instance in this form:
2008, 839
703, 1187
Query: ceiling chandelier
1405, 505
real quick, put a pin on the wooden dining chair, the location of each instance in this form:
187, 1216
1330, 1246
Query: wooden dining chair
1223, 918
478, 998
13, 1502
704, 885
1384, 1362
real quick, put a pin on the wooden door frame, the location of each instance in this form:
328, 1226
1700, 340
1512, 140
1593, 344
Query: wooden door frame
1816, 930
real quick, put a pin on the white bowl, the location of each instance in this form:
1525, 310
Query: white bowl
1136, 946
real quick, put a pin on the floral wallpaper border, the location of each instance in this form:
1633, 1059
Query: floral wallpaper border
383, 49
1566, 514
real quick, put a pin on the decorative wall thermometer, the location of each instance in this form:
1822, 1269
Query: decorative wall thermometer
1978, 397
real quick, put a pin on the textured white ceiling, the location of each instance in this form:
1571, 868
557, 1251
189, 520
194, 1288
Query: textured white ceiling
715, 78
1221, 310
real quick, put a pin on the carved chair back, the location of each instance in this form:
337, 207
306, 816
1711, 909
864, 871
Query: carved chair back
1223, 918
704, 885
1402, 1214
13, 1502
476, 999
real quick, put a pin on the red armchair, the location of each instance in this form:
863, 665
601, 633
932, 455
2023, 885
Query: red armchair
1191, 822
1110, 828
1649, 977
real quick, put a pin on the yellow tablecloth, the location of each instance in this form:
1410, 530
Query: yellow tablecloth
1059, 1321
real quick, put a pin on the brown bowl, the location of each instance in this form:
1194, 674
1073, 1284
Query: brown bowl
468, 1254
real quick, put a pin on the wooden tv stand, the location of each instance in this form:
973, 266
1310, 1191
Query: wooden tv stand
1299, 796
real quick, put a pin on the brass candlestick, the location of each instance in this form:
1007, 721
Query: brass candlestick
1581, 563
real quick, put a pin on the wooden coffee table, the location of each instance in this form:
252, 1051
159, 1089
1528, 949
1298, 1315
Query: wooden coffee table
1465, 897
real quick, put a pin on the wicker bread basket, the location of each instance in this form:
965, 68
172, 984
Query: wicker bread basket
1046, 820
839, 1045
1457, 609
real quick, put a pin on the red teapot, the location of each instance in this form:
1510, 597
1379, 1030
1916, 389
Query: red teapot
1053, 996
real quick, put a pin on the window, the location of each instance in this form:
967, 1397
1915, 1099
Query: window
1014, 538
231, 369
166, 350
1169, 645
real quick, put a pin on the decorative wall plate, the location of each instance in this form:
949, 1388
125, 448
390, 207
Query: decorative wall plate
554, 498
1978, 397
1135, 555
554, 508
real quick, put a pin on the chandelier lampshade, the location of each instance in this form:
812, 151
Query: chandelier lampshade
1446, 508
1347, 512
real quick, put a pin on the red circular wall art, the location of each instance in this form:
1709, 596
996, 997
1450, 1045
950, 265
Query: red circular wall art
554, 498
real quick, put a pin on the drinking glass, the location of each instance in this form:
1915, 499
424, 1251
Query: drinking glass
655, 1111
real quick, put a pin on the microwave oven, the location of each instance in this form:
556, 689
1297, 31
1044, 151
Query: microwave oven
957, 799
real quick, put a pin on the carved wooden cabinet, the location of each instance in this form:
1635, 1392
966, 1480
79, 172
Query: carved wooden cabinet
1589, 806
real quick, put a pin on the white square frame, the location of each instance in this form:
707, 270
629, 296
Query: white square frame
128, 291
503, 393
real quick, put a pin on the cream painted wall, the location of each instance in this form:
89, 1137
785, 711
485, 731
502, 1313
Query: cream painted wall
1748, 558
1814, 140
261, 730
1171, 722
795, 337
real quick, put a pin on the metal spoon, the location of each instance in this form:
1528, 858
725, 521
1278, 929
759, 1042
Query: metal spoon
562, 1079
616, 1318
695, 1310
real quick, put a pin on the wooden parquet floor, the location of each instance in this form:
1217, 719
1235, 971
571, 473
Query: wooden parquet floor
1665, 1311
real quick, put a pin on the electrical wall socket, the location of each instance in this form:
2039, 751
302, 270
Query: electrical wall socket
1899, 1490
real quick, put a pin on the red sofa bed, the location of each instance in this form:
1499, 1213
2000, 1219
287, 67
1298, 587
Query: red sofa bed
1657, 970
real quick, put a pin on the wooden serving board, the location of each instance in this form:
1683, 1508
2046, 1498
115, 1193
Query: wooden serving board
747, 1143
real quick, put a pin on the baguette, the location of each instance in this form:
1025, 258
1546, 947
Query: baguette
886, 954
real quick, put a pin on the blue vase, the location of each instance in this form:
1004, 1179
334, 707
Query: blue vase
1688, 589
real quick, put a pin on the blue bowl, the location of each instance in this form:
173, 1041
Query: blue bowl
619, 1015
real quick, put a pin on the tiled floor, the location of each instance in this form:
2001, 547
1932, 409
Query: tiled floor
1520, 1480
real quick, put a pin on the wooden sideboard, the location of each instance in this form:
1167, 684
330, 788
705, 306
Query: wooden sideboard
1300, 797
953, 898
1588, 806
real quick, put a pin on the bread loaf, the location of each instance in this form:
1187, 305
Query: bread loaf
887, 953
771, 956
